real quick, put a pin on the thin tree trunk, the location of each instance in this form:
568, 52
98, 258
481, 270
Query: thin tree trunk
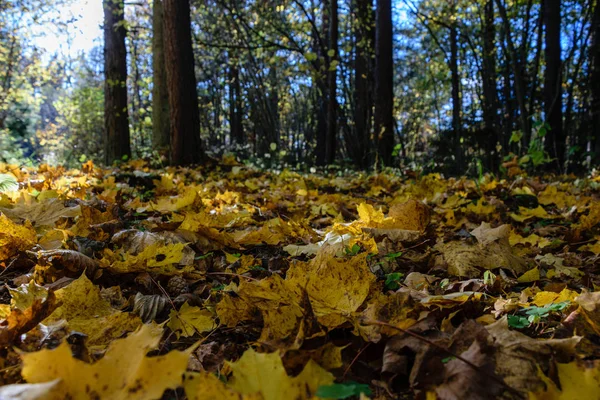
186, 147
595, 82
490, 94
322, 89
556, 146
236, 133
384, 83
456, 100
160, 95
363, 98
116, 118
332, 105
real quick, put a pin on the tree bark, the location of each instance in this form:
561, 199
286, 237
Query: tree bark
490, 94
186, 147
595, 81
456, 101
116, 117
363, 86
235, 116
322, 92
384, 83
160, 95
332, 105
555, 140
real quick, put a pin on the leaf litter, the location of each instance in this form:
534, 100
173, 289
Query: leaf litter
229, 282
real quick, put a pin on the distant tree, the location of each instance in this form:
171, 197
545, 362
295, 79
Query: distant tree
384, 83
186, 147
555, 141
332, 104
160, 95
594, 80
456, 95
363, 86
235, 105
116, 118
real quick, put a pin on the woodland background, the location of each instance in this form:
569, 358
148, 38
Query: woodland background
454, 86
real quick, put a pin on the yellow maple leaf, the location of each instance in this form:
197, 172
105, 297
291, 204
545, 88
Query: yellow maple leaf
369, 215
528, 213
189, 320
480, 208
264, 373
533, 240
123, 373
337, 287
551, 195
591, 219
594, 248
206, 386
23, 296
276, 300
14, 238
533, 275
543, 298
174, 203
157, 258
578, 380
86, 311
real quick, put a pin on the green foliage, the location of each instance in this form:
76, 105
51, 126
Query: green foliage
343, 390
392, 280
8, 183
535, 314
352, 251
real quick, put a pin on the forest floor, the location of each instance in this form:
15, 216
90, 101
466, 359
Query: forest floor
233, 283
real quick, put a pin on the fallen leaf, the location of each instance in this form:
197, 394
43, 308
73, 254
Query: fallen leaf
190, 320
125, 372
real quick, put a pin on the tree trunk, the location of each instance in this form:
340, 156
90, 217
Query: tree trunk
490, 89
555, 140
322, 90
595, 82
160, 95
186, 147
332, 105
490, 94
235, 117
384, 83
363, 97
116, 121
456, 102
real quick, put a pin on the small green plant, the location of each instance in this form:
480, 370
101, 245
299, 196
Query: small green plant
392, 280
393, 256
203, 256
343, 390
534, 314
352, 251
489, 278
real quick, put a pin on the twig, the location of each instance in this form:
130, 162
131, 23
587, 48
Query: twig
231, 273
354, 360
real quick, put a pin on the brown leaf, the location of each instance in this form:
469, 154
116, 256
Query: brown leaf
73, 261
19, 322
